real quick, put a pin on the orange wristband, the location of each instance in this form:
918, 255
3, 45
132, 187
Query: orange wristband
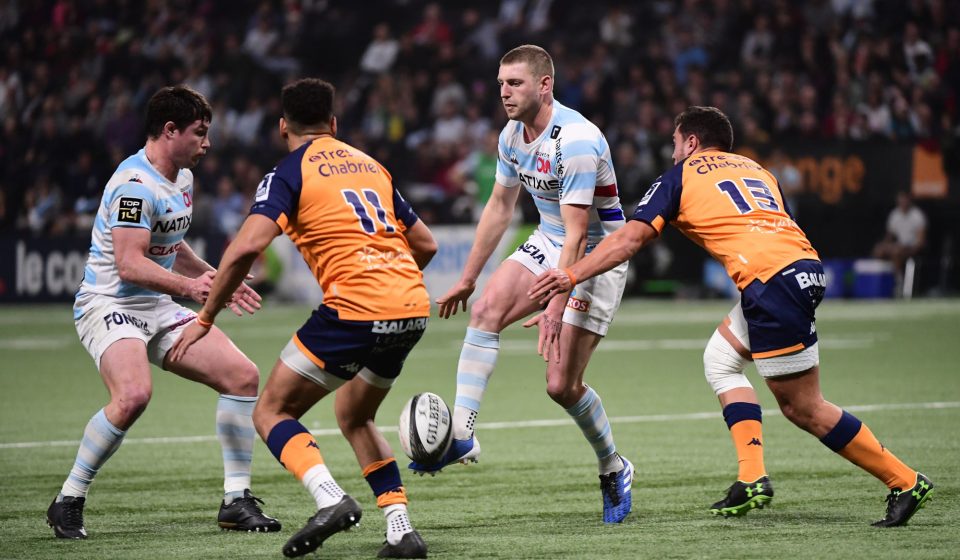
204, 324
570, 275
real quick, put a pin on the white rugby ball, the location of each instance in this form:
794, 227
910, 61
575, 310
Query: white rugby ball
425, 428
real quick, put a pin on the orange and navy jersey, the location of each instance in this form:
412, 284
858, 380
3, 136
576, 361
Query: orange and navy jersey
339, 207
732, 207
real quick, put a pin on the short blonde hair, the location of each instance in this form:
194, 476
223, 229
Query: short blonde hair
537, 59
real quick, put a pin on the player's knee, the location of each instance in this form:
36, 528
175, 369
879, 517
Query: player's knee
486, 314
130, 402
723, 365
800, 412
562, 392
243, 379
350, 422
794, 413
264, 419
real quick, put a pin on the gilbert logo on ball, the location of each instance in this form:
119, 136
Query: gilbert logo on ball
425, 428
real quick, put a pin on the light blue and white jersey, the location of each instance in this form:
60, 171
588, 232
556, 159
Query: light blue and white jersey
137, 196
569, 163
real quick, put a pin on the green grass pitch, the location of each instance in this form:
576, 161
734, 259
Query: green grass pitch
535, 492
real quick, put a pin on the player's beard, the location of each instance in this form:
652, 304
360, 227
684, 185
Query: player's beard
526, 112
194, 160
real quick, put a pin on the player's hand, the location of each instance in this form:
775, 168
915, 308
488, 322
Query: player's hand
455, 297
188, 337
199, 288
548, 285
549, 323
244, 298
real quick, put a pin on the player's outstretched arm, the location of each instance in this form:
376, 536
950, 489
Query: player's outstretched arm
254, 236
493, 223
422, 243
612, 251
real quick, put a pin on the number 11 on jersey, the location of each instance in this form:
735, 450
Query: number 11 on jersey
360, 209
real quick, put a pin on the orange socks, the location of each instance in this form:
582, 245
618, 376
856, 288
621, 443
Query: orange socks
854, 441
746, 430
866, 452
748, 439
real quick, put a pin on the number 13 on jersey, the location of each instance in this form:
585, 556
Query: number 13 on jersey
759, 192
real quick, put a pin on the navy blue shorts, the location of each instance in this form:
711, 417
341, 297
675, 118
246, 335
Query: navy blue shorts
343, 348
780, 313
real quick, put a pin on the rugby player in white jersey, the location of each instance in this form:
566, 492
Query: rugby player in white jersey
564, 162
127, 319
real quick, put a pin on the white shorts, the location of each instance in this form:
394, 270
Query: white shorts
156, 321
593, 302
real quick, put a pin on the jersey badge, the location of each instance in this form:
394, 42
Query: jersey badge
263, 189
130, 210
555, 132
646, 198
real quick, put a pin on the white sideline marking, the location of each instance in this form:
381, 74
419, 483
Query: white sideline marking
509, 425
852, 341
514, 346
36, 342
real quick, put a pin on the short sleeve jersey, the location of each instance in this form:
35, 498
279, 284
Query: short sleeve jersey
569, 163
907, 226
732, 207
137, 196
339, 207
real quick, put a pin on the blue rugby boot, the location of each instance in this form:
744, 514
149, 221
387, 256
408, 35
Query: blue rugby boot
461, 451
615, 488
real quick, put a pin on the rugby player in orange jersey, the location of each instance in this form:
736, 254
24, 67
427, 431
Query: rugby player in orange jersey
366, 247
733, 208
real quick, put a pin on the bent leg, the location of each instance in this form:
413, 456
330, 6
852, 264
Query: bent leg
126, 373
216, 362
724, 360
565, 386
356, 409
285, 398
503, 301
802, 403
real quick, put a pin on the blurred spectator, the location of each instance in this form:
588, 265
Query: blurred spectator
419, 92
616, 28
381, 52
432, 30
41, 206
788, 177
905, 236
229, 208
476, 173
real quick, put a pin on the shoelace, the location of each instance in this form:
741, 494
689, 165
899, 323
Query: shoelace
891, 500
250, 501
73, 515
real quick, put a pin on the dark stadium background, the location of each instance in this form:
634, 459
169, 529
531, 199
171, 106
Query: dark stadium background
846, 101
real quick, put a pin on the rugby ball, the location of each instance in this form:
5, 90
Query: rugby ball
425, 428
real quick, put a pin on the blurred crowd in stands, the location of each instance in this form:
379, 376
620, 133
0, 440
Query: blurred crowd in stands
417, 85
